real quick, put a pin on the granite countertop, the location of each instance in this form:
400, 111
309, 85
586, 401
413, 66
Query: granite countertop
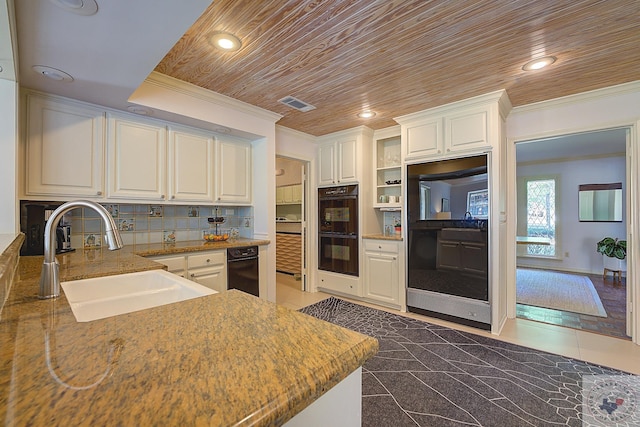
224, 359
88, 263
193, 246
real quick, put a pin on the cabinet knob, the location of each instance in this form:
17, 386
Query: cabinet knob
439, 151
394, 258
193, 275
99, 193
173, 197
448, 149
379, 247
162, 196
208, 260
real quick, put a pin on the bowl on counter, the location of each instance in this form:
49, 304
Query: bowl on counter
211, 236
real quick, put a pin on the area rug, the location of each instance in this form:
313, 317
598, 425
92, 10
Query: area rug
560, 291
430, 375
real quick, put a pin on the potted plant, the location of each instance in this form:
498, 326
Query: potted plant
614, 252
397, 224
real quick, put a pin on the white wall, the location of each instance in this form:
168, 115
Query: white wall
576, 238
292, 171
9, 223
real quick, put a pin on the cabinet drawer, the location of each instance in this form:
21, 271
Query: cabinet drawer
172, 263
380, 246
206, 260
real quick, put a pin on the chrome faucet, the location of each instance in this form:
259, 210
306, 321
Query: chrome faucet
467, 215
50, 277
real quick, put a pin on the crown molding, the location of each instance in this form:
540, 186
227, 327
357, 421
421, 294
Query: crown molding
361, 130
499, 96
173, 84
388, 132
295, 133
621, 89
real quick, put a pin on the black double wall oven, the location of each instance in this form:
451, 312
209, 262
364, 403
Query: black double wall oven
338, 229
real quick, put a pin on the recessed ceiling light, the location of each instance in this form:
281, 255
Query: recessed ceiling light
538, 63
52, 73
79, 7
366, 114
225, 41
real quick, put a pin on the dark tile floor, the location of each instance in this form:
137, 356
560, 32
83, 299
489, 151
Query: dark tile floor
613, 297
428, 375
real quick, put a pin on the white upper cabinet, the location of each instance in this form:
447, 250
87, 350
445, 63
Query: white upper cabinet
74, 149
467, 129
234, 175
424, 137
461, 127
347, 161
191, 166
136, 159
338, 159
327, 163
64, 148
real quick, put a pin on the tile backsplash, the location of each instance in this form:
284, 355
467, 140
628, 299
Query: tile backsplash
150, 223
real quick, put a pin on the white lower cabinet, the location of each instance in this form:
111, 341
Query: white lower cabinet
381, 271
174, 264
339, 283
206, 268
209, 269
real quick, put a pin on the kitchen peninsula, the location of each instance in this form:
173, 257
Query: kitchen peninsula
224, 359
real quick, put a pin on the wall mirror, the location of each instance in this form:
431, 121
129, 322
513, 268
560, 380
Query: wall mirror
600, 202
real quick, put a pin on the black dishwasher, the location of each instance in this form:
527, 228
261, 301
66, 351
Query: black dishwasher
242, 269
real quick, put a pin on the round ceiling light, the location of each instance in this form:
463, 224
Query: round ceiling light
539, 63
52, 73
366, 114
225, 41
79, 7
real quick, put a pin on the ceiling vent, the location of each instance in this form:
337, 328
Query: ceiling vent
297, 104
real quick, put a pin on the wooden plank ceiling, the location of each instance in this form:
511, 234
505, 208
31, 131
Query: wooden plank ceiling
401, 56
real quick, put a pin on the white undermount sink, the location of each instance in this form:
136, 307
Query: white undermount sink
101, 297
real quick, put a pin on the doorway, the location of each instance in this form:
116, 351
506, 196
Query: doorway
556, 244
291, 221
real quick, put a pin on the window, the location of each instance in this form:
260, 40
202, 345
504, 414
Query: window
541, 214
478, 203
